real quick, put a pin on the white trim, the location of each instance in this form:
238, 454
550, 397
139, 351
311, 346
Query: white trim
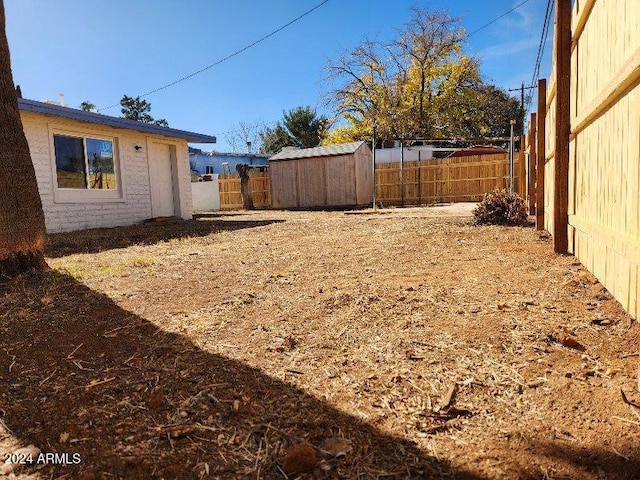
87, 195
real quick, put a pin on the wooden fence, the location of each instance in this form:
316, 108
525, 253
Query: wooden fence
587, 136
457, 179
231, 197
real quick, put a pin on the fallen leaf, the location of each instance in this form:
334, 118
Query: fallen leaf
64, 437
336, 446
571, 342
448, 397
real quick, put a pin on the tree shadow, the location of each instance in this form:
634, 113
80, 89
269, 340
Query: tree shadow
82, 375
588, 462
101, 239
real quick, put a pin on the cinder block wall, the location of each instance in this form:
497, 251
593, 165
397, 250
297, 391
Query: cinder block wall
134, 203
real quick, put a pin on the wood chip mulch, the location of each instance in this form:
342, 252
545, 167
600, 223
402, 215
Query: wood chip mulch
399, 344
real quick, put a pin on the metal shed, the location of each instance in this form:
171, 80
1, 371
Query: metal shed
332, 176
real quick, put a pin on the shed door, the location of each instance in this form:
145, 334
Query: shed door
161, 180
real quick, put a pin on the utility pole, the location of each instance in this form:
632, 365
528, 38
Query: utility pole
521, 89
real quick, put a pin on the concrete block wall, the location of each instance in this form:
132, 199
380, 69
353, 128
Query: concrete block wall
131, 204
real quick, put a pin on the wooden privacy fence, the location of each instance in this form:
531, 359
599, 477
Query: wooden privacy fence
456, 179
586, 140
231, 197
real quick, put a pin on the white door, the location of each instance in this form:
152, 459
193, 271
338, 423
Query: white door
161, 179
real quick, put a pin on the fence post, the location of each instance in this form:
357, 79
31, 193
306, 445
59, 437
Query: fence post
532, 164
562, 55
402, 171
419, 178
541, 153
522, 179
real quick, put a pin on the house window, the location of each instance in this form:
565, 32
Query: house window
208, 170
84, 163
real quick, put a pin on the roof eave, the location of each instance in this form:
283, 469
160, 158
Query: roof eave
115, 122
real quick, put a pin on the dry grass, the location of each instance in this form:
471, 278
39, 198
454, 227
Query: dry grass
428, 346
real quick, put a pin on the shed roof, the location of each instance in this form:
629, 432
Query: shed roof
99, 119
328, 151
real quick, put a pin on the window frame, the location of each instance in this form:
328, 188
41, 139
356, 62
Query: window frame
86, 195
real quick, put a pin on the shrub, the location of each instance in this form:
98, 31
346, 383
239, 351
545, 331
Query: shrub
501, 207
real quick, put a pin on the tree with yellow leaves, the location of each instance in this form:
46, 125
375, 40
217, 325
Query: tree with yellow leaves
420, 85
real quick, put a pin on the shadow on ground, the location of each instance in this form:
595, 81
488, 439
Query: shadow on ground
594, 462
81, 375
101, 239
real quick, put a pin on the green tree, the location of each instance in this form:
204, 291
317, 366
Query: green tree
482, 110
275, 139
138, 109
87, 106
22, 229
305, 127
300, 127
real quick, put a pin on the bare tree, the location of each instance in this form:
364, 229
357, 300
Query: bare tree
22, 230
245, 138
365, 77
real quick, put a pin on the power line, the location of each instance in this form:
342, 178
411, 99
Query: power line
543, 41
228, 57
498, 18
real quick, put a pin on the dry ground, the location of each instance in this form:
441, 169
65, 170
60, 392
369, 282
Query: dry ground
401, 343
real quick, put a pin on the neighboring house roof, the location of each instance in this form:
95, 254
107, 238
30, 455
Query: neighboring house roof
214, 153
328, 151
478, 150
99, 119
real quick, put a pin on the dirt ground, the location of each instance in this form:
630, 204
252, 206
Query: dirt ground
401, 343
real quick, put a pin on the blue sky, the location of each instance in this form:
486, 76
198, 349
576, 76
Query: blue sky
99, 50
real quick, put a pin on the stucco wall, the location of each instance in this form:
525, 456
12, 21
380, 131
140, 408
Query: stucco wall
206, 195
133, 204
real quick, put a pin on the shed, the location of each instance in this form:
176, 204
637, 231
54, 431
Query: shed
95, 170
331, 176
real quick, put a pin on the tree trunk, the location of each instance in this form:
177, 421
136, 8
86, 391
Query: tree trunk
22, 230
245, 186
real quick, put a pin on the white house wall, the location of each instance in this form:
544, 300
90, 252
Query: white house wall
133, 205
